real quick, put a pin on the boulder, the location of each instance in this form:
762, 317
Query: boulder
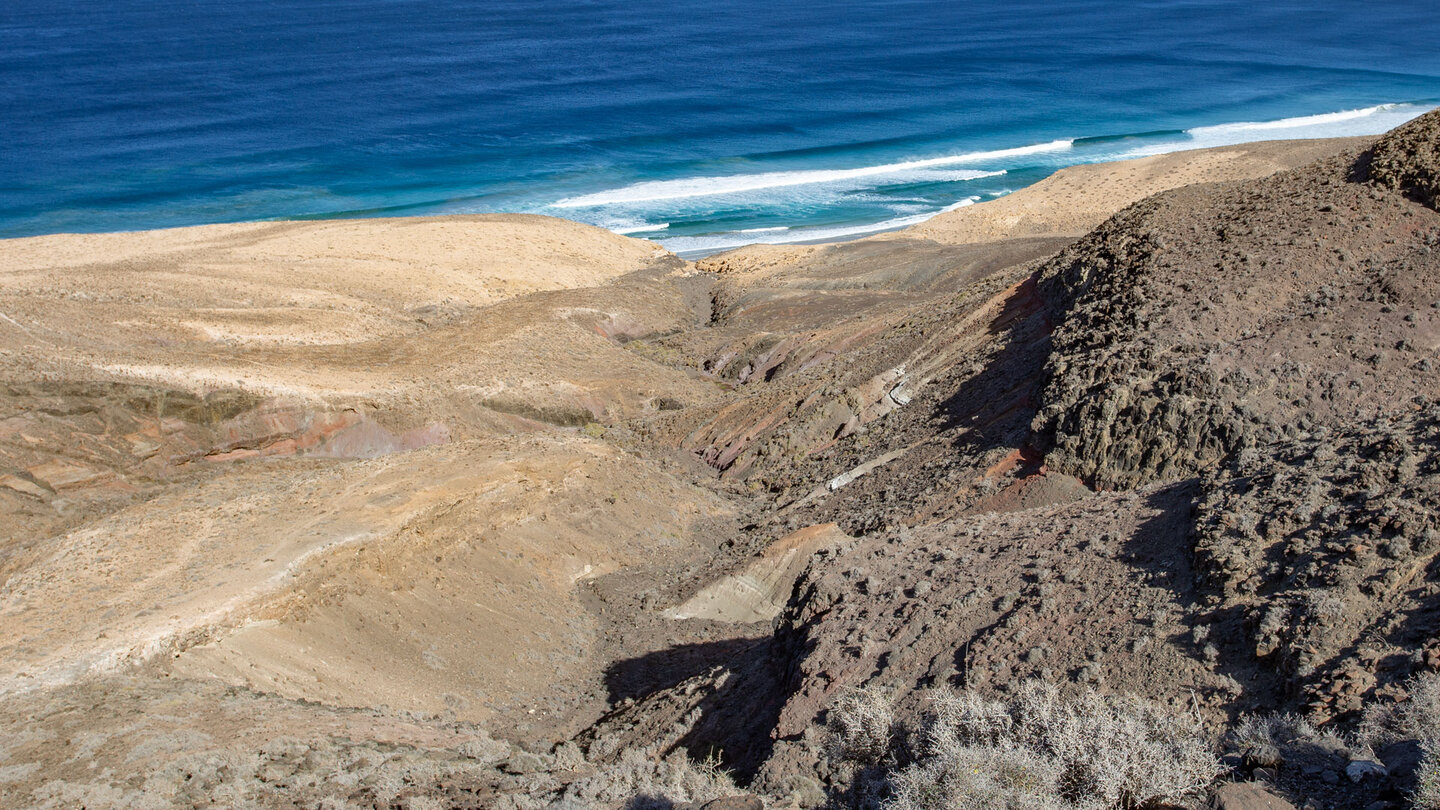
1361, 769
1263, 756
726, 803
1401, 758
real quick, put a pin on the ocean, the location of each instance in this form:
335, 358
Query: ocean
698, 125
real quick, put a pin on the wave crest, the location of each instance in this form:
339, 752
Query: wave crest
690, 187
712, 243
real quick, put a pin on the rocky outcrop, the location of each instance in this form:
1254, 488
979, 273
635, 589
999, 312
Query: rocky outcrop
1199, 336
759, 591
1319, 550
1213, 319
1092, 593
1408, 159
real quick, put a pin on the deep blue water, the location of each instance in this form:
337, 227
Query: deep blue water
699, 124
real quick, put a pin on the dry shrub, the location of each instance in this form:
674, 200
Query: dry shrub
861, 726
1038, 750
1292, 741
980, 778
1417, 717
640, 780
1427, 777
1273, 730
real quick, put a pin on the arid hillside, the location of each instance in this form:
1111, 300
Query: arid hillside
502, 511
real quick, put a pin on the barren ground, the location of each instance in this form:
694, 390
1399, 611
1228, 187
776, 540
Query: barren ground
473, 511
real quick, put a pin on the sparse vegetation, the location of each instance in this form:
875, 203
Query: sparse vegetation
1417, 717
642, 781
1279, 731
1035, 750
1427, 777
862, 725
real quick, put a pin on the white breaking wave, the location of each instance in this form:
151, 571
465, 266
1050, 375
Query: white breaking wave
1323, 119
634, 227
1344, 124
1014, 151
733, 239
689, 187
968, 201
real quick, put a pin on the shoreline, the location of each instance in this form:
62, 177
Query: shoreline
1126, 180
624, 209
1181, 160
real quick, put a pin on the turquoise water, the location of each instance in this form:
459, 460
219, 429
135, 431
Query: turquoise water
699, 125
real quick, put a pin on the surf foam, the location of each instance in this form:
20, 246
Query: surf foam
623, 228
690, 187
712, 243
846, 183
1344, 124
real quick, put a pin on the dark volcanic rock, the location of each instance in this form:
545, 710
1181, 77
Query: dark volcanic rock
1212, 319
1408, 159
1323, 544
1090, 594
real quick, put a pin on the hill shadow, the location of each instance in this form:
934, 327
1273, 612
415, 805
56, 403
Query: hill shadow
1163, 547
995, 407
733, 684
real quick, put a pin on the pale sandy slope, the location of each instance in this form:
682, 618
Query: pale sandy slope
307, 282
336, 460
263, 306
347, 311
439, 579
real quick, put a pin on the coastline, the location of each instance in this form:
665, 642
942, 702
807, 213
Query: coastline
1069, 201
1074, 199
984, 176
704, 209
